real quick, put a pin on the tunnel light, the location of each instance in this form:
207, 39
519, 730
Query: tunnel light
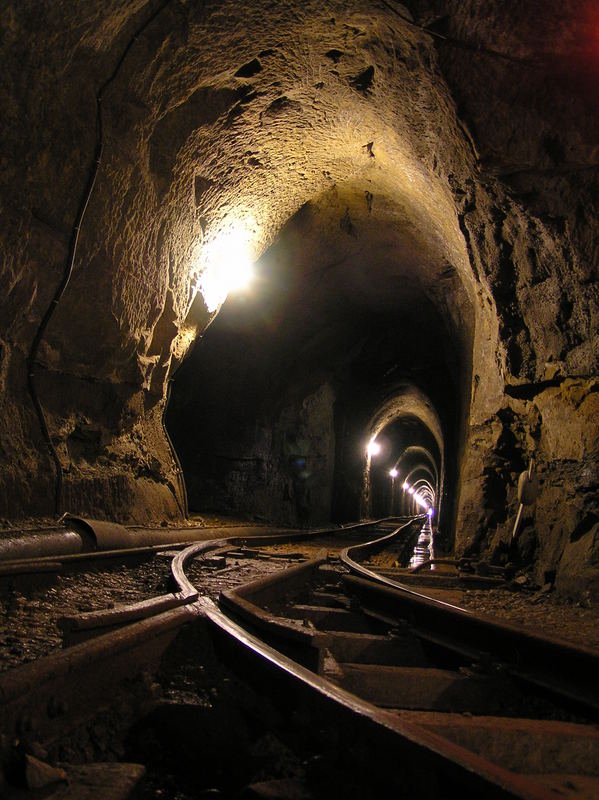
393, 473
405, 486
411, 490
228, 266
430, 511
373, 448
420, 501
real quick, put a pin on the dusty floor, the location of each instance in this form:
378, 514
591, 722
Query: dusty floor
545, 613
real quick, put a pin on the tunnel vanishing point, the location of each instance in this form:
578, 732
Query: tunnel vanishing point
418, 186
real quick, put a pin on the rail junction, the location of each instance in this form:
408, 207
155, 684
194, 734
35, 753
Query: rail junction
322, 640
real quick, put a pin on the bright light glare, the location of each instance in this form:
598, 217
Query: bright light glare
430, 511
411, 490
373, 448
228, 267
421, 501
393, 472
405, 486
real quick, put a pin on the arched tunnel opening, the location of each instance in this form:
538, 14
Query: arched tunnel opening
354, 320
405, 460
406, 441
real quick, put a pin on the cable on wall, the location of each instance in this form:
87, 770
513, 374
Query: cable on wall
480, 49
73, 244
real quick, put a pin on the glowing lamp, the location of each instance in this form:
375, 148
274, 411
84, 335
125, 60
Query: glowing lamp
411, 490
373, 448
229, 267
405, 486
393, 473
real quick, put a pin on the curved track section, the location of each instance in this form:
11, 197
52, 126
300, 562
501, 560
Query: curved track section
442, 703
514, 711
92, 623
420, 757
552, 664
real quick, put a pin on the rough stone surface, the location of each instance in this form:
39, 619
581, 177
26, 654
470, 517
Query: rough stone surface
38, 774
459, 167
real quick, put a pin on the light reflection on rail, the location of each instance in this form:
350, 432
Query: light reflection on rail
424, 549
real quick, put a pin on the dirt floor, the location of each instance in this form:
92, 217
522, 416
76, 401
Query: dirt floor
545, 613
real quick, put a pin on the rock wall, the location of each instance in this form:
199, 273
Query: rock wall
530, 223
63, 267
277, 469
181, 116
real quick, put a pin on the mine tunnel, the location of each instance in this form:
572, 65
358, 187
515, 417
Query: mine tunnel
415, 187
299, 390
333, 343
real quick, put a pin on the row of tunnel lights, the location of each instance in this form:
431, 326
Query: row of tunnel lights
233, 271
374, 449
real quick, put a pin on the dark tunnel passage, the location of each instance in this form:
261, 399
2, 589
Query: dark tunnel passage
343, 333
409, 454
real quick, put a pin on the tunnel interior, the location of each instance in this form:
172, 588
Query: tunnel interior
354, 304
409, 457
417, 185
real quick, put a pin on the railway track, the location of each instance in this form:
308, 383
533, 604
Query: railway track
51, 705
71, 596
516, 711
382, 690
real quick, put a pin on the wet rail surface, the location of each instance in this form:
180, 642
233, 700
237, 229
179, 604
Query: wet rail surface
346, 663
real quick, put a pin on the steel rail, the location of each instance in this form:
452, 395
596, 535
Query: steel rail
57, 562
555, 665
437, 623
93, 623
550, 663
372, 575
46, 696
417, 750
31, 696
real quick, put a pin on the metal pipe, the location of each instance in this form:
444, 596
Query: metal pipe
526, 496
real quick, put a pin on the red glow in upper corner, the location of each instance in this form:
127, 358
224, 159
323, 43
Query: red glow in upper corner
577, 63
593, 22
